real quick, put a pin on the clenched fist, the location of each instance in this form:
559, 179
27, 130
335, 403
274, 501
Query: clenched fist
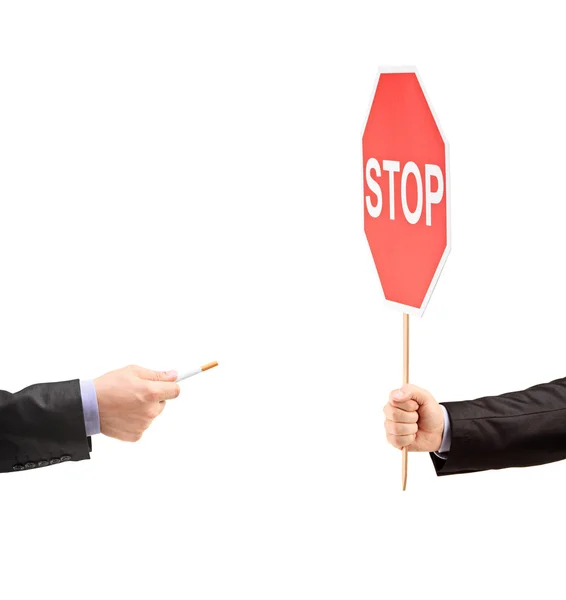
413, 418
130, 398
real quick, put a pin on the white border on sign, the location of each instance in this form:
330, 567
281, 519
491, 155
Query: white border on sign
411, 310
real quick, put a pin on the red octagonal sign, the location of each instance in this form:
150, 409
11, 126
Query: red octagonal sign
406, 190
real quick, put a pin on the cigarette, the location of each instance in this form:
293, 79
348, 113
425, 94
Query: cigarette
196, 371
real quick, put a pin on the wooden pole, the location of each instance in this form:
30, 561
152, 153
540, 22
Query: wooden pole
405, 452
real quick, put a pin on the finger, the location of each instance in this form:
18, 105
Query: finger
161, 391
401, 441
394, 413
400, 428
150, 375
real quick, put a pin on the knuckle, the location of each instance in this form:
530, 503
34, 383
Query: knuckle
412, 417
151, 412
393, 441
150, 395
396, 428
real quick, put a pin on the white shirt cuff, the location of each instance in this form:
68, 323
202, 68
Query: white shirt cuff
446, 435
90, 407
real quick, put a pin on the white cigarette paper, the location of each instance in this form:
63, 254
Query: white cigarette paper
188, 374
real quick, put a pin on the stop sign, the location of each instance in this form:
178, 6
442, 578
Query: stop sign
406, 191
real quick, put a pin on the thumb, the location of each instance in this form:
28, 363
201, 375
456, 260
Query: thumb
151, 375
411, 392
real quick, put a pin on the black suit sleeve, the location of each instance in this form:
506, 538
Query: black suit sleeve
517, 429
42, 425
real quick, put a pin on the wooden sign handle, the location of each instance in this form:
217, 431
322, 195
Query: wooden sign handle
405, 452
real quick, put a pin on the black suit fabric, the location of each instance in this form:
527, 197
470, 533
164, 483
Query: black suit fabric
42, 425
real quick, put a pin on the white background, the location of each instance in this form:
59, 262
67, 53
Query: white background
181, 182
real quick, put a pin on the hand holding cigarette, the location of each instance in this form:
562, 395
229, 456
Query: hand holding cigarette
129, 399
